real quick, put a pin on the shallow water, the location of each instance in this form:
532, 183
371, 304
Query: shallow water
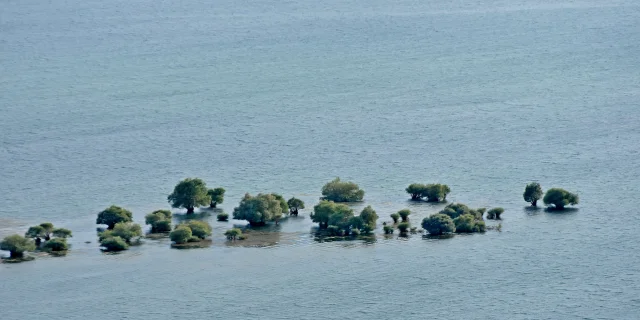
114, 102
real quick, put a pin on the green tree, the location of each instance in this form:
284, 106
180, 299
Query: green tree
258, 210
403, 227
283, 203
199, 229
223, 216
160, 221
295, 205
438, 224
339, 191
182, 234
467, 223
455, 210
395, 217
233, 234
62, 233
417, 191
17, 245
355, 223
112, 215
217, 196
560, 198
437, 192
189, 194
342, 218
369, 217
328, 213
56, 245
388, 229
47, 227
495, 213
404, 214
125, 230
532, 193
114, 244
37, 233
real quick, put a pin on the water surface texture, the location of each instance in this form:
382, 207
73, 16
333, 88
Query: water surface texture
113, 102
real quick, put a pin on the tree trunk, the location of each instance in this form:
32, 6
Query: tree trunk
38, 242
213, 205
190, 210
534, 203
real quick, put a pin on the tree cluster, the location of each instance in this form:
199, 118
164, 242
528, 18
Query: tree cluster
190, 231
339, 220
433, 192
342, 191
159, 220
120, 237
44, 232
455, 217
192, 193
556, 197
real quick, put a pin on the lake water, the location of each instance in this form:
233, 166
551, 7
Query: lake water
114, 102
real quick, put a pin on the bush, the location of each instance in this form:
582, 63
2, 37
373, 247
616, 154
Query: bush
532, 193
437, 192
560, 198
404, 214
125, 230
260, 209
199, 229
114, 244
223, 217
395, 217
181, 234
417, 191
465, 223
56, 244
438, 224
17, 245
369, 217
495, 213
455, 210
388, 229
112, 215
403, 227
338, 191
160, 221
329, 212
233, 234
295, 205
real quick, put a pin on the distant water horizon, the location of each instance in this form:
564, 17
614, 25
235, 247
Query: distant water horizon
115, 102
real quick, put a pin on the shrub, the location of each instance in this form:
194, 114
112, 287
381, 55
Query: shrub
532, 193
437, 192
404, 214
338, 191
56, 244
223, 217
395, 217
438, 224
495, 213
369, 217
455, 210
160, 221
260, 209
114, 244
560, 198
112, 215
366, 229
199, 229
181, 234
465, 223
388, 229
233, 234
403, 227
216, 195
17, 245
124, 230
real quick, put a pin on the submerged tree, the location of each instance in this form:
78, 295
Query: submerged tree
62, 233
233, 234
532, 193
259, 210
403, 227
467, 223
438, 224
404, 214
560, 198
182, 234
387, 229
36, 233
114, 244
455, 210
395, 217
112, 215
47, 228
339, 191
17, 245
437, 192
127, 231
417, 191
335, 216
216, 195
189, 194
495, 213
283, 203
199, 229
160, 221
56, 245
222, 216
295, 205
369, 217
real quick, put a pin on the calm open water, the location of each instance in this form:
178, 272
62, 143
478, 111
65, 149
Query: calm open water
113, 102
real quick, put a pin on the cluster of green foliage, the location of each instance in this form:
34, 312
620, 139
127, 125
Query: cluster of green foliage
222, 216
126, 231
403, 227
455, 210
160, 221
190, 231
494, 213
560, 198
234, 234
532, 193
17, 245
45, 231
339, 191
395, 217
434, 192
457, 217
404, 214
216, 195
112, 215
189, 194
339, 220
260, 209
438, 224
114, 244
295, 205
387, 229
56, 245
468, 223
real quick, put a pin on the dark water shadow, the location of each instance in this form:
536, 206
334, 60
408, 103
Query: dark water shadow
193, 245
438, 237
532, 211
565, 211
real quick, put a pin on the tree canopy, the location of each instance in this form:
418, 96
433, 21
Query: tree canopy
324, 211
56, 245
395, 217
217, 196
437, 192
404, 214
47, 228
467, 223
125, 230
160, 221
403, 227
199, 229
495, 213
189, 194
112, 215
295, 205
560, 198
417, 191
259, 210
369, 217
284, 205
233, 234
35, 232
62, 233
114, 244
339, 191
182, 234
455, 210
438, 224
532, 193
17, 245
